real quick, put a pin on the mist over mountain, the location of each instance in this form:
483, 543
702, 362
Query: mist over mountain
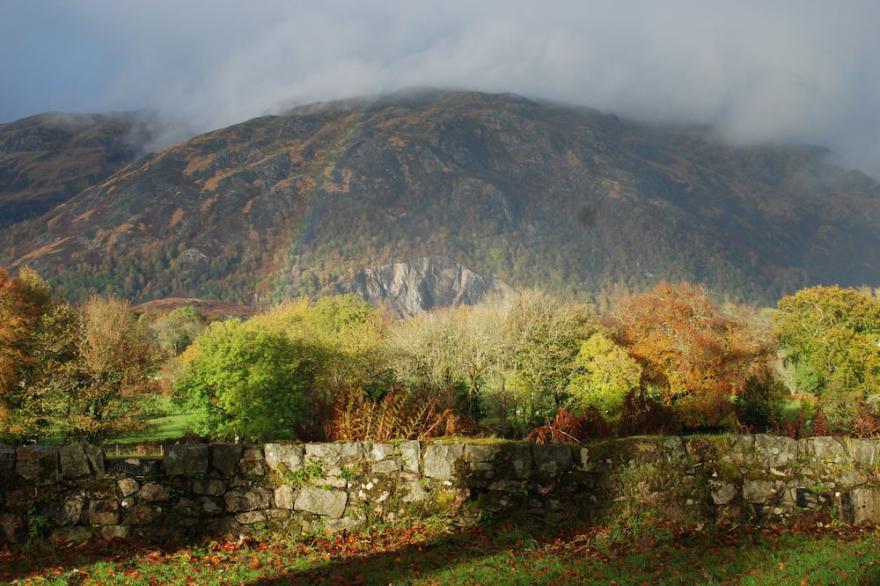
47, 159
525, 192
800, 71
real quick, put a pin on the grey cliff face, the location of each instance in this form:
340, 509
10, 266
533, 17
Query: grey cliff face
410, 288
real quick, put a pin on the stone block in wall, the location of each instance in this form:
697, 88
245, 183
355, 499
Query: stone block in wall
552, 459
142, 514
253, 468
153, 492
284, 497
476, 453
865, 452
519, 456
343, 524
775, 451
209, 487
67, 510
225, 458
385, 467
251, 517
189, 460
74, 462
866, 505
583, 461
252, 455
806, 498
64, 536
334, 456
211, 507
284, 457
7, 462
439, 460
328, 503
38, 464
410, 455
722, 492
825, 449
759, 491
674, 448
95, 456
127, 486
115, 532
136, 467
247, 500
379, 451
104, 512
12, 527
414, 492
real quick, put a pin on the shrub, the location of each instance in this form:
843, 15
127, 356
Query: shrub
397, 415
244, 381
566, 427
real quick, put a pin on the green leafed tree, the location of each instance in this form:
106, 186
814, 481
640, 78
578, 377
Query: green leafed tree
831, 336
605, 374
245, 381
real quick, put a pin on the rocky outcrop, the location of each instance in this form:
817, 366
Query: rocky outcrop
410, 288
204, 489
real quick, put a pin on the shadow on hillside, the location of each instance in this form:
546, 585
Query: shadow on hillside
686, 559
410, 562
18, 563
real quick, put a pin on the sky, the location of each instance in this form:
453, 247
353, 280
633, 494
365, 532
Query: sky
778, 71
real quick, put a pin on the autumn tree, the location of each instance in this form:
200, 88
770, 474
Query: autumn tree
114, 370
23, 300
698, 356
831, 337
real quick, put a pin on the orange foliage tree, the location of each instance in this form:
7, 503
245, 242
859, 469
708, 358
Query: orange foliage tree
22, 302
699, 356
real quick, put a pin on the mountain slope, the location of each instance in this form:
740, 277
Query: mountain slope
530, 193
47, 159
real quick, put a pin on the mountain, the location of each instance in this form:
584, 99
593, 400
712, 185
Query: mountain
523, 192
47, 159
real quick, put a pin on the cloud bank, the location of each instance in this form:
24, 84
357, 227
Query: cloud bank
759, 71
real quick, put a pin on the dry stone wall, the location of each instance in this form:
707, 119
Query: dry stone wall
75, 492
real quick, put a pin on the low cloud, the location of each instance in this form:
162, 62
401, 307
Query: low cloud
759, 71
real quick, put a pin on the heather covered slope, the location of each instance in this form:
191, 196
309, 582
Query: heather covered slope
47, 159
528, 193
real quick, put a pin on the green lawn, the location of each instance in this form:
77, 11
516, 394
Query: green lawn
164, 427
433, 555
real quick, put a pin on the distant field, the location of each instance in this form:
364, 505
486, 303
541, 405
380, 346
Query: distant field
431, 554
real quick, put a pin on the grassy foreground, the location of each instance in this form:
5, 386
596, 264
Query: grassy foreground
434, 554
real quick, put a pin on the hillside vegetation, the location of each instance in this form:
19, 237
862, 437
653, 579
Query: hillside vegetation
47, 159
530, 193
531, 365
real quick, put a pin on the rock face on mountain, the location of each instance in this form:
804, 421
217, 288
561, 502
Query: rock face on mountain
47, 159
410, 288
535, 194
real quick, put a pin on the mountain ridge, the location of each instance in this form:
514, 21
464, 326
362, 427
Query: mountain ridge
534, 193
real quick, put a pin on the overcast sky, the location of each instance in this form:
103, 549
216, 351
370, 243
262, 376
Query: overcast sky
793, 70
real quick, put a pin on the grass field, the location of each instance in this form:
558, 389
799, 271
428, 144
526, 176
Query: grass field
433, 554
